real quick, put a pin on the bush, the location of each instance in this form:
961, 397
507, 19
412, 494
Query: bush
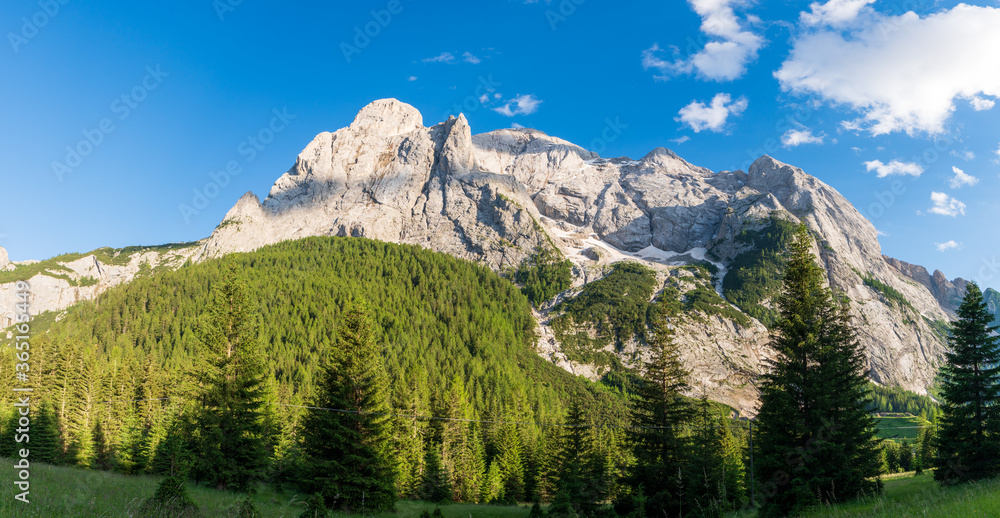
170, 500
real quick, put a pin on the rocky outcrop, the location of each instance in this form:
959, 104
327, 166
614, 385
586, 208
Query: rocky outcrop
948, 293
4, 260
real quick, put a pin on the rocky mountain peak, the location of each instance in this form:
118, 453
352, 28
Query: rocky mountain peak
387, 117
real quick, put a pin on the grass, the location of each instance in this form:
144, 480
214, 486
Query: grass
899, 427
906, 495
58, 491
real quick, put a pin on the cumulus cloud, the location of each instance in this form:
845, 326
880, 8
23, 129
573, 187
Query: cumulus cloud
901, 73
519, 105
724, 58
834, 12
981, 104
946, 205
947, 246
713, 116
797, 137
894, 167
469, 57
961, 178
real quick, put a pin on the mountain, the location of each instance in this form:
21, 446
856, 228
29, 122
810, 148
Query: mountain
993, 303
712, 240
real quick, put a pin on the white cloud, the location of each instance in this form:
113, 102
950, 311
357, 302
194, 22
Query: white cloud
469, 57
902, 73
700, 116
681, 140
981, 104
412, 78
516, 126
519, 105
997, 153
947, 246
834, 12
946, 205
964, 154
724, 58
961, 178
894, 167
797, 137
444, 57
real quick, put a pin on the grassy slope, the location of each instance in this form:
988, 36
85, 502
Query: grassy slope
906, 495
899, 428
71, 492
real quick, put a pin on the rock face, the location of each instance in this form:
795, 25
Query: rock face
4, 260
496, 197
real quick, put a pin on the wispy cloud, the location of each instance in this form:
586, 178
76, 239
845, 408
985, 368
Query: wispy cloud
713, 116
894, 167
797, 137
680, 140
469, 57
946, 205
981, 104
942, 247
519, 105
444, 57
961, 178
411, 78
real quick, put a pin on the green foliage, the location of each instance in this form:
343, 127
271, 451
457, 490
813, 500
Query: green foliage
436, 317
315, 507
754, 276
231, 439
816, 442
110, 256
544, 275
616, 306
705, 299
992, 299
892, 296
348, 453
969, 436
171, 500
895, 400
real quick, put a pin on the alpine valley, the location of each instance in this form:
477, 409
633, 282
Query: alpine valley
633, 230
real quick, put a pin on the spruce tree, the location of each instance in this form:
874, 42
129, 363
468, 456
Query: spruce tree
658, 416
349, 452
815, 440
716, 475
968, 440
580, 475
233, 444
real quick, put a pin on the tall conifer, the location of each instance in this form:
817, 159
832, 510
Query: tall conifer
815, 441
968, 441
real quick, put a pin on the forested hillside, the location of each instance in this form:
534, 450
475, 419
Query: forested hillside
458, 342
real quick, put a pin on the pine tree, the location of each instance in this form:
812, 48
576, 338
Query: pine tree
232, 452
580, 483
660, 446
510, 460
968, 440
436, 486
816, 441
350, 453
716, 474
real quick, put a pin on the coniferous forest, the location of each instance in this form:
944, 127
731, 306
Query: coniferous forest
360, 373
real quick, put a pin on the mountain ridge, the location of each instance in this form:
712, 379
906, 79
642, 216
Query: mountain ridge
497, 197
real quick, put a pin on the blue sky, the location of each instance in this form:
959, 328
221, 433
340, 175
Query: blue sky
116, 114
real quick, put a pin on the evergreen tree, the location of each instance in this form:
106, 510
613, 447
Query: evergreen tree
510, 460
349, 452
233, 450
969, 436
716, 474
436, 486
580, 483
815, 441
658, 414
925, 444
